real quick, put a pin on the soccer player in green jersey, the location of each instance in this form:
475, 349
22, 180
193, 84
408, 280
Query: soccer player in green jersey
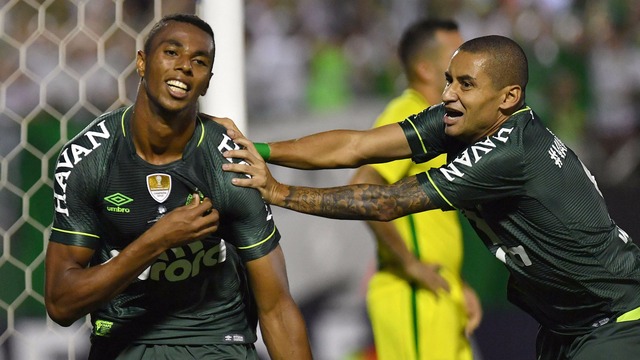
149, 235
528, 196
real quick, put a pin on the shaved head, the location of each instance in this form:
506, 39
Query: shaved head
506, 64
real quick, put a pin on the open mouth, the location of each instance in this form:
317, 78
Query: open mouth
450, 113
178, 87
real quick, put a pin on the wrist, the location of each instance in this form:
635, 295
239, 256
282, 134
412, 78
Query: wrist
263, 149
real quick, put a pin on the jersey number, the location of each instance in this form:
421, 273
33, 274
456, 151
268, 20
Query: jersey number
517, 253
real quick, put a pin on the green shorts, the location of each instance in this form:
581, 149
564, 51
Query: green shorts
108, 351
613, 341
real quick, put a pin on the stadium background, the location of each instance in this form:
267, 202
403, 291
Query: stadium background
310, 65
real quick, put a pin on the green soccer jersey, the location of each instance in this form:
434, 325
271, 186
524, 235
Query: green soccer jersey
538, 209
105, 196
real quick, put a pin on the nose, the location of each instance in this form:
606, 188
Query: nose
184, 64
448, 94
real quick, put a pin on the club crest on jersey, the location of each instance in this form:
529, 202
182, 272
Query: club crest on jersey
159, 186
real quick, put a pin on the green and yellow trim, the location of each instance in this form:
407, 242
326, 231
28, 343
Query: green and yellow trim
438, 190
75, 233
260, 242
631, 315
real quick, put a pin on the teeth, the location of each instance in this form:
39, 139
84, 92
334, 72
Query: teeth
178, 84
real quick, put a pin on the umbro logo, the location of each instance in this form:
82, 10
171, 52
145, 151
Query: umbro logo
118, 200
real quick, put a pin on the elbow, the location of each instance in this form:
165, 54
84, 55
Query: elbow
60, 315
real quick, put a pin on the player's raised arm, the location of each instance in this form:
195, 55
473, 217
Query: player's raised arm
332, 149
352, 202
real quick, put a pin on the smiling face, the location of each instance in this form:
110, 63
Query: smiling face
474, 105
177, 69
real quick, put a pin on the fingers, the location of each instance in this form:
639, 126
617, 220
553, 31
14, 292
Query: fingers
444, 284
241, 140
472, 324
474, 309
205, 219
246, 155
240, 168
209, 220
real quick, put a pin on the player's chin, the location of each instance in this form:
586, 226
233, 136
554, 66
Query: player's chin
452, 130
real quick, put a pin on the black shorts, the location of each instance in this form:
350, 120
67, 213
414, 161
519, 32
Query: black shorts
613, 341
101, 350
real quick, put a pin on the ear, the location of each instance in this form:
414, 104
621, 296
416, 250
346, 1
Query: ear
512, 98
204, 92
424, 71
140, 62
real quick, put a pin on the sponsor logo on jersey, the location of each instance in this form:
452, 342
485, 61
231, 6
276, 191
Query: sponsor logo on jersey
69, 158
159, 186
102, 328
118, 200
472, 154
182, 263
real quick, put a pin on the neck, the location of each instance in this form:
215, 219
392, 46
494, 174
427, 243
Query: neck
158, 135
500, 120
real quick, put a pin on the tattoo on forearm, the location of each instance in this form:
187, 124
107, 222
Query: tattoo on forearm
361, 201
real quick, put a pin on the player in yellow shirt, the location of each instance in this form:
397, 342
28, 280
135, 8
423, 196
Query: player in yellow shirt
420, 309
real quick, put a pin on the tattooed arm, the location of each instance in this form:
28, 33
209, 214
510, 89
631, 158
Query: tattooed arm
354, 202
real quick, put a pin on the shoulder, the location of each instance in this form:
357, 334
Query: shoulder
214, 132
96, 138
529, 130
429, 120
100, 131
216, 124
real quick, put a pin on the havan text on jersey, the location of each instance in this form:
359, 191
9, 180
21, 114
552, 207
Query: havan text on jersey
69, 158
474, 153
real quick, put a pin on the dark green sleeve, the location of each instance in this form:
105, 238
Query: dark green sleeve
76, 179
246, 218
425, 133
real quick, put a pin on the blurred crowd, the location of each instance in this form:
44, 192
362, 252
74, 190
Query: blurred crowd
311, 55
314, 55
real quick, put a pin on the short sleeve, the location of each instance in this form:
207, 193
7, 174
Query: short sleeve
75, 221
425, 134
246, 220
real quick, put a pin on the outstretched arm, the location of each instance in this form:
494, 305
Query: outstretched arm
353, 202
335, 148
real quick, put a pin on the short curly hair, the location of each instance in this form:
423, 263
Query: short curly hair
184, 18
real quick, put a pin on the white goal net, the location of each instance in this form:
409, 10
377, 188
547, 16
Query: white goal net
62, 63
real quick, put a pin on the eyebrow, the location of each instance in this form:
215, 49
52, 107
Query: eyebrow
179, 44
466, 78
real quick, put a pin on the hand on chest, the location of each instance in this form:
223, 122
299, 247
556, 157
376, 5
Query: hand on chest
135, 198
